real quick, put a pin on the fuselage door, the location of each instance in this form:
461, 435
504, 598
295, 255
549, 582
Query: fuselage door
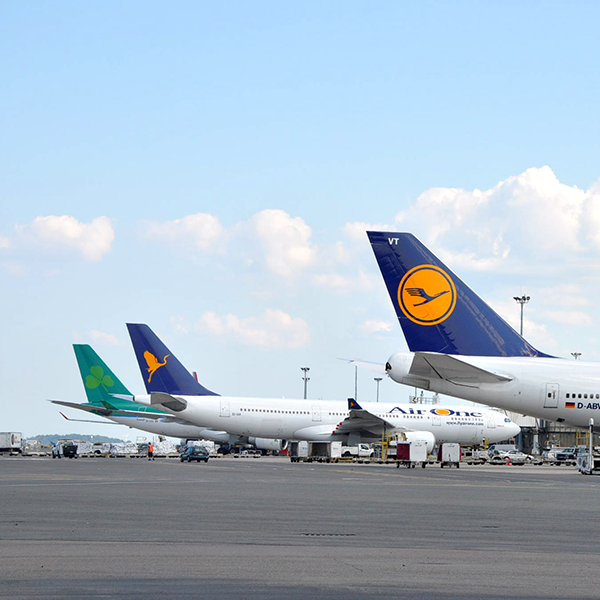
224, 408
436, 420
316, 413
551, 398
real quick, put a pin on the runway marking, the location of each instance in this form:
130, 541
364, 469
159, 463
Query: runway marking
444, 483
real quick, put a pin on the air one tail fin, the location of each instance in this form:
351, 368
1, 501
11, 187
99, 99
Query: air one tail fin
161, 371
436, 310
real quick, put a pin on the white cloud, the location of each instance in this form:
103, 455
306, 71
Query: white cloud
102, 337
203, 231
4, 242
93, 240
285, 242
341, 284
372, 326
570, 317
332, 281
531, 216
357, 231
273, 329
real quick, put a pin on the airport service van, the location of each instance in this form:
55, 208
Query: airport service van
11, 442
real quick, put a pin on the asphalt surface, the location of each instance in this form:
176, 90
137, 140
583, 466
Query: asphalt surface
266, 528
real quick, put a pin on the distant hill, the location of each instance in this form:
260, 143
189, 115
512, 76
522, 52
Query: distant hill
49, 438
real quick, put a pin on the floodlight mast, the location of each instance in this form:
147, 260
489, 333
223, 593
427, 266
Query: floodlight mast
305, 378
522, 300
378, 380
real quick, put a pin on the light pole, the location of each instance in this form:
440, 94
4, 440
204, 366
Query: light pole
378, 379
522, 300
576, 355
305, 378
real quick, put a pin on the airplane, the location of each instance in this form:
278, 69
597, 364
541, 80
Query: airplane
461, 347
100, 384
170, 386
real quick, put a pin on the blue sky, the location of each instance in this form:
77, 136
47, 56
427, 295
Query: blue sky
209, 169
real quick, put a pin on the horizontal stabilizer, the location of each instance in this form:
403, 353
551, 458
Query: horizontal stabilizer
369, 366
115, 412
171, 402
88, 420
97, 410
431, 365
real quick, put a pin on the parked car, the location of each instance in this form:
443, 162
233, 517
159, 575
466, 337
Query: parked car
570, 454
194, 453
516, 457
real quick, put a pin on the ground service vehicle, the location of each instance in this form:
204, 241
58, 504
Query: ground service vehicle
66, 448
11, 442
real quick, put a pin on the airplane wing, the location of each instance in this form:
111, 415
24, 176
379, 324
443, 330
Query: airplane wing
362, 421
443, 366
369, 366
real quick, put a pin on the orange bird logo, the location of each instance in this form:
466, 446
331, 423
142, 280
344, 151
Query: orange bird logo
153, 364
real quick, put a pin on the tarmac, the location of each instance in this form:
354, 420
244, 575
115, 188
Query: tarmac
265, 528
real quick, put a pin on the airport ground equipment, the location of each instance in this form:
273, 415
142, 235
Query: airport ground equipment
410, 454
588, 463
304, 451
11, 442
359, 451
65, 448
449, 455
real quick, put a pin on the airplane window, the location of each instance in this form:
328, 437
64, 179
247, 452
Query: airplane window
567, 395
580, 395
585, 395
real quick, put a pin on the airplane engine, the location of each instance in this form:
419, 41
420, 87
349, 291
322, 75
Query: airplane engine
268, 444
420, 436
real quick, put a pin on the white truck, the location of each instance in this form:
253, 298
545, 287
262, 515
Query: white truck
358, 451
11, 442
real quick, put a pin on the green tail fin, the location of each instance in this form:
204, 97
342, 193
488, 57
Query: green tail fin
99, 381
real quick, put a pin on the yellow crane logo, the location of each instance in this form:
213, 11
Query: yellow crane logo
153, 364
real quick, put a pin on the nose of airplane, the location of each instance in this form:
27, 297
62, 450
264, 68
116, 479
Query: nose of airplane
513, 429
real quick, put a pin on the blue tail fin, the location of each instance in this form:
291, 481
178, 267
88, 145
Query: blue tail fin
161, 371
437, 311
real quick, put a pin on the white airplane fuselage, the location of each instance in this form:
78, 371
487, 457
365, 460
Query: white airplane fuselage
553, 389
176, 430
317, 420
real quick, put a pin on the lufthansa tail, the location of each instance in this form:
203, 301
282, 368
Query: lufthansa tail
161, 371
437, 311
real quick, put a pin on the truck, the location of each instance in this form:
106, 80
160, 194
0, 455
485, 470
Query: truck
64, 448
358, 451
11, 442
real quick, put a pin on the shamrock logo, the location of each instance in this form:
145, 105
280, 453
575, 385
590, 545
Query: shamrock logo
98, 378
